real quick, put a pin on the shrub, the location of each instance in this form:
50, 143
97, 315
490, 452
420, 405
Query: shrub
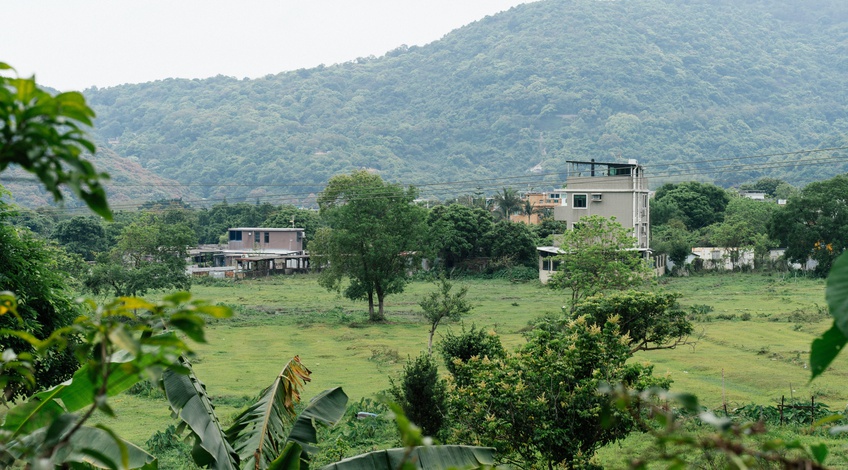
421, 394
468, 344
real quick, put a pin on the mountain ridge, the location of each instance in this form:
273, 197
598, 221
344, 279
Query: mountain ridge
667, 82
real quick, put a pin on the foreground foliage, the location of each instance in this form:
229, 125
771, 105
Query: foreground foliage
46, 135
120, 343
541, 404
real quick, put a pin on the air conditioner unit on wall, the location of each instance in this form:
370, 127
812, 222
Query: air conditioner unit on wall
597, 197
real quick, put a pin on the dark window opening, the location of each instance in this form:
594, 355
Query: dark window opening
579, 201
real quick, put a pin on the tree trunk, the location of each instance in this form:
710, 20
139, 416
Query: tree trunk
430, 342
371, 306
379, 316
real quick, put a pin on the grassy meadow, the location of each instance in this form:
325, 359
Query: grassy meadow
751, 348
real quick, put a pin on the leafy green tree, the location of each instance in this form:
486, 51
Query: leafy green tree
30, 268
460, 348
84, 236
41, 220
672, 239
512, 241
696, 204
540, 405
45, 135
599, 254
767, 185
757, 214
149, 255
457, 233
550, 226
651, 320
733, 235
441, 305
422, 394
508, 202
813, 224
373, 238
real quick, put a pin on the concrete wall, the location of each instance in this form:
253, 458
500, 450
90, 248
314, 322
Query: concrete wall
266, 238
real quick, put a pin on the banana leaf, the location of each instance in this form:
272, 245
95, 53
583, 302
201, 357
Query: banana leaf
429, 457
327, 408
189, 402
259, 433
89, 447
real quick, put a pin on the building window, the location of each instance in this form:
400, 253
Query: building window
235, 236
299, 236
256, 237
267, 237
597, 197
579, 201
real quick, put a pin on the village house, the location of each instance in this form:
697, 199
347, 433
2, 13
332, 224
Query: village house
543, 204
617, 190
253, 251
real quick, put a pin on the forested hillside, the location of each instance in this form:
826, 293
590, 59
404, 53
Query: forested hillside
670, 83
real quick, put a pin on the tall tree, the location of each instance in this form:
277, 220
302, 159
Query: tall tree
599, 254
513, 242
696, 204
373, 239
813, 224
457, 233
528, 209
30, 268
84, 236
149, 255
508, 202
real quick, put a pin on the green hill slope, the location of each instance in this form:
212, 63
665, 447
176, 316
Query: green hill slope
670, 83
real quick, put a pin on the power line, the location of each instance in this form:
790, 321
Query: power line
447, 188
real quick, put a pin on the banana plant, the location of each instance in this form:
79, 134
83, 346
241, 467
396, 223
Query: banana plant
268, 434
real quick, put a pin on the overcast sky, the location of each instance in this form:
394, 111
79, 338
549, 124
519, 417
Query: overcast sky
75, 44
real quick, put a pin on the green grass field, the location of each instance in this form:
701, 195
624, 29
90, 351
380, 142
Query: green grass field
753, 360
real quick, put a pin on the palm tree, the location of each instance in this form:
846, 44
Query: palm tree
508, 202
528, 208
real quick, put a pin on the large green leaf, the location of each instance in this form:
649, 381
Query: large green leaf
429, 457
327, 408
289, 459
824, 350
258, 434
92, 445
836, 292
189, 401
826, 347
43, 408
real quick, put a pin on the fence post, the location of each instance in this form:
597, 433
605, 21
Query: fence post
781, 409
812, 410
